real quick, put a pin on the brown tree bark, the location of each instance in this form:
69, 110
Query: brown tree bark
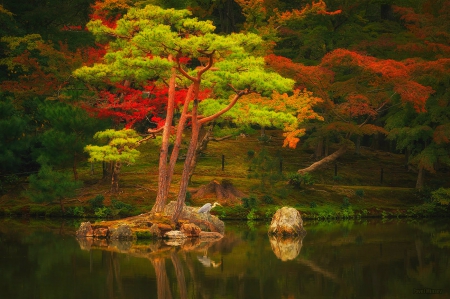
419, 182
115, 177
342, 150
162, 281
163, 183
319, 149
180, 274
358, 145
202, 144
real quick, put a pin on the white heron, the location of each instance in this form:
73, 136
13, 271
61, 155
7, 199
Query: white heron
208, 207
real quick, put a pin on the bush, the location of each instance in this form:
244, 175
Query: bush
252, 215
97, 202
249, 202
359, 193
78, 212
103, 212
345, 203
298, 179
268, 199
337, 178
119, 205
441, 196
312, 205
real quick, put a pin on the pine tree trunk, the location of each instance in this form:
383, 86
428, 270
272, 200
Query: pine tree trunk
74, 168
162, 281
115, 177
342, 150
179, 271
407, 154
319, 149
163, 182
187, 163
358, 145
61, 204
201, 146
419, 182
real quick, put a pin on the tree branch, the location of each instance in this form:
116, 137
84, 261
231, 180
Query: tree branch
230, 105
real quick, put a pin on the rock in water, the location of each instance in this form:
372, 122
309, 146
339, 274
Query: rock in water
190, 229
287, 222
122, 232
85, 230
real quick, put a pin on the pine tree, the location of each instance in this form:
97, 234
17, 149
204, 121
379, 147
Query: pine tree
152, 43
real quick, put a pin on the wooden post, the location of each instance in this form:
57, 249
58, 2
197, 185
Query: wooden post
381, 176
335, 169
223, 162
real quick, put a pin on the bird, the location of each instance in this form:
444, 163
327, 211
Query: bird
207, 262
207, 207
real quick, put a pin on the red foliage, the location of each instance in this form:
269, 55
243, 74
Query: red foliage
92, 55
130, 105
72, 28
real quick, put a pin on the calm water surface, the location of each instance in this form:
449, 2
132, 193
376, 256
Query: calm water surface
348, 259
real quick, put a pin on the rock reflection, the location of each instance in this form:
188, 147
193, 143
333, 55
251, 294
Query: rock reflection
286, 248
158, 252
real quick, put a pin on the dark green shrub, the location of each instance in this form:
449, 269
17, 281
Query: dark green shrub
359, 193
97, 202
249, 202
345, 202
103, 212
312, 205
441, 196
298, 179
267, 199
250, 154
120, 205
337, 178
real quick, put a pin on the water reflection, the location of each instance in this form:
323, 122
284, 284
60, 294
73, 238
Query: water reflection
334, 260
286, 248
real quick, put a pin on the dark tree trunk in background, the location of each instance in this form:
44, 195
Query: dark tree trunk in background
358, 145
115, 177
318, 154
419, 182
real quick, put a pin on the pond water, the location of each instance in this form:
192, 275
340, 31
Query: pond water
348, 259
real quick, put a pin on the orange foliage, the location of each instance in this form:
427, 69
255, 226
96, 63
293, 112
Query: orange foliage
442, 134
318, 7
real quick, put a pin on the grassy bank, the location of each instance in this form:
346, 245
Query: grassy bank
374, 183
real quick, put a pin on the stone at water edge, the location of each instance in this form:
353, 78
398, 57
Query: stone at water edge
122, 232
190, 230
287, 221
101, 233
175, 234
85, 230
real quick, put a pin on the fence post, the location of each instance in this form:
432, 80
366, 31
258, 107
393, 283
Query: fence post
381, 176
223, 162
335, 169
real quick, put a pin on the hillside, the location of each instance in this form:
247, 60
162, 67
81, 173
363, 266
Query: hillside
357, 185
